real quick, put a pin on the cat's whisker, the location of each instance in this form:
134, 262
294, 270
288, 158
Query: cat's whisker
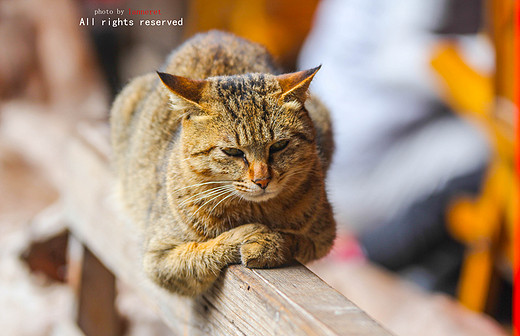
211, 211
215, 196
204, 183
201, 184
240, 197
208, 201
206, 191
199, 193
205, 194
193, 198
289, 174
192, 217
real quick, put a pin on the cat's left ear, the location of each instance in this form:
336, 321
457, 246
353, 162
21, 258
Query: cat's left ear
188, 89
296, 84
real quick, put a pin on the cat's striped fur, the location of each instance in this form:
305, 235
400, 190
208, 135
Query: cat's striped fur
178, 140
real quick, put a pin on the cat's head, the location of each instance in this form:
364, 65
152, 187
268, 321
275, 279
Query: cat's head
251, 130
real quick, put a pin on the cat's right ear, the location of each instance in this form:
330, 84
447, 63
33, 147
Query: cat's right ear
189, 90
295, 85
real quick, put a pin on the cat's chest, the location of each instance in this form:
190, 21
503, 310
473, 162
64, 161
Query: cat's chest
277, 217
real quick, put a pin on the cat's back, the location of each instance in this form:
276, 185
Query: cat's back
217, 53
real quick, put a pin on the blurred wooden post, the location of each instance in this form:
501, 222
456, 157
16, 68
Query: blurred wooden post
97, 315
95, 289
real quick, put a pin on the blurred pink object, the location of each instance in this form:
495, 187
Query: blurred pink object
346, 247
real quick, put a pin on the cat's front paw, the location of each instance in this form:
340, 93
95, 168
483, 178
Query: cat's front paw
242, 233
265, 250
232, 240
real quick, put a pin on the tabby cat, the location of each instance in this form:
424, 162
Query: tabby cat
222, 161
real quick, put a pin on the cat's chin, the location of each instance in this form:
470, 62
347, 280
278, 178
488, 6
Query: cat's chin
259, 197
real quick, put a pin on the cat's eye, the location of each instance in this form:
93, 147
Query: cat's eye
233, 152
278, 146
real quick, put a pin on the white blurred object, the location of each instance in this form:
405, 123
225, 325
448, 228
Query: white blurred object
376, 80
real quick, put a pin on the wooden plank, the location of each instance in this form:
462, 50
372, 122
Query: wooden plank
284, 301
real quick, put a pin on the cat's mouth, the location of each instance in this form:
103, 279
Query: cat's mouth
254, 193
258, 195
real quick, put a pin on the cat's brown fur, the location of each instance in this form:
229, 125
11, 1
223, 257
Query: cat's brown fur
219, 92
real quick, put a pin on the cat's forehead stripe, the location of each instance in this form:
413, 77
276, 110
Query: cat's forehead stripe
244, 98
242, 84
243, 95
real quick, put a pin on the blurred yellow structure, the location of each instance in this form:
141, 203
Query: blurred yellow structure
486, 224
279, 25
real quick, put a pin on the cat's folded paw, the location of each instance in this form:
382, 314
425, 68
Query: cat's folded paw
242, 233
264, 250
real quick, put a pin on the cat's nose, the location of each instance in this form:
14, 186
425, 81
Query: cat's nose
262, 183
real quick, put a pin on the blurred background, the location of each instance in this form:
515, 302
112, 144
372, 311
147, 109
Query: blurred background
423, 101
